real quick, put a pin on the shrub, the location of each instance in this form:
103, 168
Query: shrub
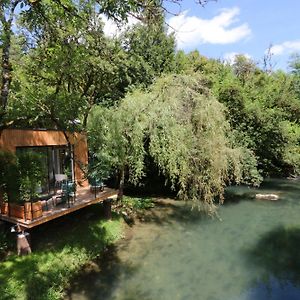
9, 175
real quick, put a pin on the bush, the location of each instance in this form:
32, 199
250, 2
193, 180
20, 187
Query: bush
137, 203
9, 175
31, 171
20, 174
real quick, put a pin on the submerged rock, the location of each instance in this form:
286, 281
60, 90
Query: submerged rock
272, 197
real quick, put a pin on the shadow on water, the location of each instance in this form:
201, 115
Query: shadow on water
277, 254
177, 253
105, 274
174, 211
232, 196
102, 280
281, 187
291, 186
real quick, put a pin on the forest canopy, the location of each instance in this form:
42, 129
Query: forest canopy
203, 123
183, 128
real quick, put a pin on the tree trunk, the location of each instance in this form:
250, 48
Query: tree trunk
121, 183
6, 68
5, 61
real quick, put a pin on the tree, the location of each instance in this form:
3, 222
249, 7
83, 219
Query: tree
8, 15
294, 65
43, 20
58, 88
182, 127
260, 106
149, 50
66, 75
7, 10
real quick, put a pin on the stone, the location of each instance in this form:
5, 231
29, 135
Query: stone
271, 197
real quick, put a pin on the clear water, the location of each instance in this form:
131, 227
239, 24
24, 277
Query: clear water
253, 254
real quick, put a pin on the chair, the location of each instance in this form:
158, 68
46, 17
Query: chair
59, 179
69, 192
96, 185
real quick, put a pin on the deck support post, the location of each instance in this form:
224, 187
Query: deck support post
107, 208
23, 242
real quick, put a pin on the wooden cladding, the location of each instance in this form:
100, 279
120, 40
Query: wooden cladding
11, 139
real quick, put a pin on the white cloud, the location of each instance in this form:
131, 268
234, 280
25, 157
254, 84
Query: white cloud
286, 47
193, 31
113, 29
230, 56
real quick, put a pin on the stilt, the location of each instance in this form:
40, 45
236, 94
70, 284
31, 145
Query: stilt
107, 208
23, 242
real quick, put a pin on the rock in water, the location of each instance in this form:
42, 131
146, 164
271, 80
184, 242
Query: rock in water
272, 197
128, 218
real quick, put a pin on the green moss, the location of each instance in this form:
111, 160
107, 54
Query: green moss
46, 273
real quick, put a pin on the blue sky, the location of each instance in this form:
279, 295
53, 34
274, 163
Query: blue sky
225, 27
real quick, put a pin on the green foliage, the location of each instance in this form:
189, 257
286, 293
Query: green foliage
295, 70
259, 107
182, 127
9, 175
137, 203
4, 244
32, 169
152, 50
69, 71
221, 123
47, 272
291, 151
189, 63
21, 174
69, 65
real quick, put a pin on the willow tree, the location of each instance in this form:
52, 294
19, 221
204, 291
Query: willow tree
183, 128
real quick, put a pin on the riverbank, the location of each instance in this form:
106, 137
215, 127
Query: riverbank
106, 270
173, 253
60, 250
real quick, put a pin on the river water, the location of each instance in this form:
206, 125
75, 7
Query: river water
252, 254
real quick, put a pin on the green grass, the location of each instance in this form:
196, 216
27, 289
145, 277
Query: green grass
136, 204
3, 242
61, 250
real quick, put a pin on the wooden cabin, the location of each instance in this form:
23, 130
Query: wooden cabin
61, 151
65, 155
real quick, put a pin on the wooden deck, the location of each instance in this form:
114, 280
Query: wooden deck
84, 198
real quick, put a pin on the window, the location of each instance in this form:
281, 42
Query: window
57, 160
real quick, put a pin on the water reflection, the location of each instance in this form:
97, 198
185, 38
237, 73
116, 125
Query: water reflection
253, 254
273, 289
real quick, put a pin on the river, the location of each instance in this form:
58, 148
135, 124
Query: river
252, 254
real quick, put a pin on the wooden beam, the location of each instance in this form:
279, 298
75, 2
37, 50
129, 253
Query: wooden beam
108, 193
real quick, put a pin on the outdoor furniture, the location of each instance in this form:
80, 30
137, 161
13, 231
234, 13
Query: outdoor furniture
69, 192
59, 179
96, 185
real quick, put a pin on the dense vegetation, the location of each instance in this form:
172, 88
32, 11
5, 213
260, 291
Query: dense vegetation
60, 253
200, 122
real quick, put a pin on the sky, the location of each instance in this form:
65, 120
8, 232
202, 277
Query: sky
224, 28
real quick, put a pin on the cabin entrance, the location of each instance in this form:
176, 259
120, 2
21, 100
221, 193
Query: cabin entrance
58, 165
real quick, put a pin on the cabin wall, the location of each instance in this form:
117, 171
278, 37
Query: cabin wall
10, 139
79, 142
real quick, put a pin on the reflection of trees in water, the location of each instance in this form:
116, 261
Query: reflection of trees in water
101, 281
277, 253
290, 186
